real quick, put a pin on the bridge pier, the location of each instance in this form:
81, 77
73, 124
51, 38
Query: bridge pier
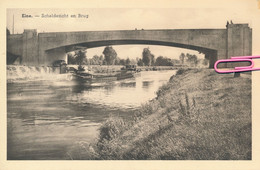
52, 55
212, 56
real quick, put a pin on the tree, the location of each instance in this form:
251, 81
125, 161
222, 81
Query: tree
175, 61
71, 59
182, 56
192, 59
127, 61
152, 60
196, 61
110, 55
159, 61
163, 61
147, 57
85, 61
122, 62
140, 62
101, 59
189, 58
80, 56
117, 61
95, 60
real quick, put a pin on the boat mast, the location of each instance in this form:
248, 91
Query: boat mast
13, 23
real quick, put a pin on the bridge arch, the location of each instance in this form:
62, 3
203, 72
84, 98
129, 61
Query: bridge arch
210, 54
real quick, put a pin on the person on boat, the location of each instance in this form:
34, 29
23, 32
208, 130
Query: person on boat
81, 68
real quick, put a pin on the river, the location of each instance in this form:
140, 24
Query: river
46, 117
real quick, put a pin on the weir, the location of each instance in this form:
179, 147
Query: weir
14, 72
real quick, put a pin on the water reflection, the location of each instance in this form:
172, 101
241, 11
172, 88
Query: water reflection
128, 84
146, 84
45, 118
79, 88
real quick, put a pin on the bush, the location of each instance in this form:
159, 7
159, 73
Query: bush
181, 71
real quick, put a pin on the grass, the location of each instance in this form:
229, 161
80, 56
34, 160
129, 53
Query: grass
198, 115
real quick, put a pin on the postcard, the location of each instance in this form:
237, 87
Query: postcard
123, 85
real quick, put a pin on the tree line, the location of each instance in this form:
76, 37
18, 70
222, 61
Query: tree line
192, 60
109, 57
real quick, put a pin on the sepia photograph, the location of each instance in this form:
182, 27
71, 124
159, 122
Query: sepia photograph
137, 91
130, 83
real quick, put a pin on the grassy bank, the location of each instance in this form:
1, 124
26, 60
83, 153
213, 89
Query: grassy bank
198, 115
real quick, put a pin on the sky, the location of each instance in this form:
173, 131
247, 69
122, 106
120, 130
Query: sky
127, 19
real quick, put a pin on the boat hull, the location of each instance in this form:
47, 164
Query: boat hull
93, 78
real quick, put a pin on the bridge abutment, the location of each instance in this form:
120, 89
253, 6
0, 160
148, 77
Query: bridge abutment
239, 42
30, 55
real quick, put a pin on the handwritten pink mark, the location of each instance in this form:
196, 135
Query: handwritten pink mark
237, 59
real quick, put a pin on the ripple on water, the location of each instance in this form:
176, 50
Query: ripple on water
46, 117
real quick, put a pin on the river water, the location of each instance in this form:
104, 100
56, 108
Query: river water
47, 116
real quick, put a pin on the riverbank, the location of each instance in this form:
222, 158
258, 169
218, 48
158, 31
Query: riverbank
117, 68
198, 115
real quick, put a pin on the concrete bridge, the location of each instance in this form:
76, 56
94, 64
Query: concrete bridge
31, 48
